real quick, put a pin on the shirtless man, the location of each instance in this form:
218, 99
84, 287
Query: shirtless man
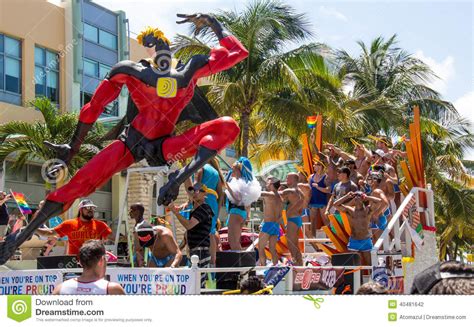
386, 185
359, 219
379, 212
163, 249
334, 162
295, 204
272, 207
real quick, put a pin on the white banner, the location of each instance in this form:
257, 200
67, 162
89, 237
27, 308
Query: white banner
143, 281
155, 281
32, 282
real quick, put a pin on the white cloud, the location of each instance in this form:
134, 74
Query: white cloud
444, 70
331, 12
465, 106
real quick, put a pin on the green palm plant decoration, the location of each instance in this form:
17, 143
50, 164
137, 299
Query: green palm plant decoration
23, 141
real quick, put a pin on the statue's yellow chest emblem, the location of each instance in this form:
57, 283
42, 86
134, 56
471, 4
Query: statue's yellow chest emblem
166, 87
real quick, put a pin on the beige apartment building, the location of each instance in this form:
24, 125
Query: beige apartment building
62, 49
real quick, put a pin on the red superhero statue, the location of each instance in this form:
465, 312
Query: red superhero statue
159, 93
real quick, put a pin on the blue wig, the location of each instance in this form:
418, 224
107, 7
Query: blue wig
245, 170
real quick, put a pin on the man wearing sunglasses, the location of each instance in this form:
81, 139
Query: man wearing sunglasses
84, 227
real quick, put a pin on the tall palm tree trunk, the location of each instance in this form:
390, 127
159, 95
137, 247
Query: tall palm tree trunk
245, 123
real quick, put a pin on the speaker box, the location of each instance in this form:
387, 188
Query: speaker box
57, 262
229, 259
346, 259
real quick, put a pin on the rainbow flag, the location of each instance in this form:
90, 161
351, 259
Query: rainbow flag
311, 121
400, 139
22, 205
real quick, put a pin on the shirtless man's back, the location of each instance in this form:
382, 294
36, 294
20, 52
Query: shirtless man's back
272, 207
295, 204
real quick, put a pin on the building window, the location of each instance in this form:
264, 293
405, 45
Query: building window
91, 68
107, 39
34, 174
103, 70
10, 64
95, 69
15, 175
47, 74
91, 33
99, 36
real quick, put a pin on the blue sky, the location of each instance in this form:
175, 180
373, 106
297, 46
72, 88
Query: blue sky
438, 32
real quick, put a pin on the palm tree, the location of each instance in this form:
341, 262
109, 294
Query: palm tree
318, 88
23, 141
264, 28
383, 70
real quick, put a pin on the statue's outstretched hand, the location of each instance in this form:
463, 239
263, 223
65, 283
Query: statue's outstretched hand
64, 154
199, 20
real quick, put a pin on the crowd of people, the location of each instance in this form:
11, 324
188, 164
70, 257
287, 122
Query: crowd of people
363, 185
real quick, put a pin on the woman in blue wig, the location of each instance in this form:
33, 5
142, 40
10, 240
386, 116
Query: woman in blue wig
242, 190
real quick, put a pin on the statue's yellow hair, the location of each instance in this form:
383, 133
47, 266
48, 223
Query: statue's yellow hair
156, 32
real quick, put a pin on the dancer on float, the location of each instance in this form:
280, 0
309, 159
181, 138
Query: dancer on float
320, 190
160, 94
242, 189
270, 231
360, 240
294, 202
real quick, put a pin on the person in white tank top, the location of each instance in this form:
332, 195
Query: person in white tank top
91, 282
75, 287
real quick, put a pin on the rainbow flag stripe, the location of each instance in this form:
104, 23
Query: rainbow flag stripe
311, 121
20, 199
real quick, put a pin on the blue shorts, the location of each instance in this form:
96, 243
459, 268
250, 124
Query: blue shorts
360, 245
298, 221
305, 212
159, 262
239, 212
271, 228
382, 223
317, 205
